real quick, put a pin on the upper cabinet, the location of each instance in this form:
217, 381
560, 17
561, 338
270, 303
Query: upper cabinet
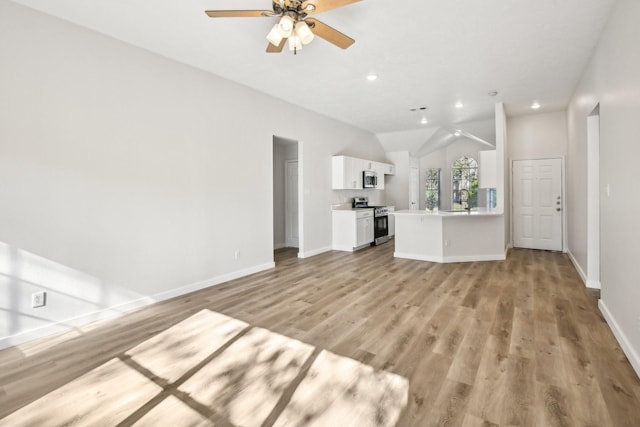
488, 171
347, 172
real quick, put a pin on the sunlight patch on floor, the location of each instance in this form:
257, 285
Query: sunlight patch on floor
171, 353
342, 391
213, 369
103, 396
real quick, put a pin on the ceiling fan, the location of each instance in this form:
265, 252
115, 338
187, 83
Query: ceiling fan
294, 25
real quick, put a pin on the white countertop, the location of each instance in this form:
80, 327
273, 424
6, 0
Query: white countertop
349, 208
474, 213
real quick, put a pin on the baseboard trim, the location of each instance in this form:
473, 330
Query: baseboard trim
449, 259
277, 246
626, 346
577, 267
314, 252
127, 307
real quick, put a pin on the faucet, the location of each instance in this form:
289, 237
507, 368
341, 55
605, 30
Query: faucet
468, 207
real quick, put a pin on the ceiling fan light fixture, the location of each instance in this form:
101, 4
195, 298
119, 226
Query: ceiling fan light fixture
274, 36
303, 32
295, 43
285, 26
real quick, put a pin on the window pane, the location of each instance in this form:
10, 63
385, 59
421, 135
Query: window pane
432, 188
464, 183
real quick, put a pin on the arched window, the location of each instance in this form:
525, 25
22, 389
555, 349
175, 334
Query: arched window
464, 183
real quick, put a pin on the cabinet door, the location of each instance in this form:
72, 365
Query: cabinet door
365, 231
346, 173
356, 166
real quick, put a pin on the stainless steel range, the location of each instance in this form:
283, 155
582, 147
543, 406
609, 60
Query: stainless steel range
380, 219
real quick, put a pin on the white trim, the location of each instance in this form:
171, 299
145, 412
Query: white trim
588, 283
342, 248
578, 267
314, 252
593, 196
593, 284
290, 241
626, 346
444, 260
121, 309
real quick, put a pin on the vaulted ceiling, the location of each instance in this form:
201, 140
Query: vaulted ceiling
425, 53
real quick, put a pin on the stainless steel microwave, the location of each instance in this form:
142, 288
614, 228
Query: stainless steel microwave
369, 179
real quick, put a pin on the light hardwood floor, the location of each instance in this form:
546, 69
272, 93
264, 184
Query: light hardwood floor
341, 339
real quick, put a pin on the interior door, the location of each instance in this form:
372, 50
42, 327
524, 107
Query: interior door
537, 204
291, 204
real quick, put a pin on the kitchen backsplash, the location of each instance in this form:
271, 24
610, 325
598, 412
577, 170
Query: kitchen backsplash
376, 197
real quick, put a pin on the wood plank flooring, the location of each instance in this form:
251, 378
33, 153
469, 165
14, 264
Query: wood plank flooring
341, 339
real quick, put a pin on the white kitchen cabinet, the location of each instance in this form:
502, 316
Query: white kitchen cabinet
346, 173
381, 170
364, 226
387, 168
352, 229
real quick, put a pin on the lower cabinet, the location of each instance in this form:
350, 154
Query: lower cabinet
352, 229
364, 227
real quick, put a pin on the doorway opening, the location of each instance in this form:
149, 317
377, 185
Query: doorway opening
593, 199
287, 239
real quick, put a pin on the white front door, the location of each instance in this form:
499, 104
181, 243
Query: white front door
291, 203
414, 186
537, 204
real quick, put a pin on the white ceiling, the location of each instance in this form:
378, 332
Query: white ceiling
425, 53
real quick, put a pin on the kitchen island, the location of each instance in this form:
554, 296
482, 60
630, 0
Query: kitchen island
450, 236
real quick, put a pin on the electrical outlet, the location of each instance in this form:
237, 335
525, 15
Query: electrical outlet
38, 299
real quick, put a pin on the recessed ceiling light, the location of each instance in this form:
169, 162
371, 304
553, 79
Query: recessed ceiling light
535, 105
372, 77
493, 92
457, 133
424, 121
459, 104
419, 108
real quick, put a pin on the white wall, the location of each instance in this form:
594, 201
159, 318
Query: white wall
397, 186
537, 135
612, 78
127, 177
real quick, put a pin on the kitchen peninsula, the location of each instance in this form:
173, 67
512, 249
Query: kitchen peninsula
442, 236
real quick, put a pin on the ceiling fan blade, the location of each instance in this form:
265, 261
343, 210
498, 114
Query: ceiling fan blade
329, 34
276, 49
238, 13
324, 5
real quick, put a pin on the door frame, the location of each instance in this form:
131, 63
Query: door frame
593, 200
287, 195
562, 186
